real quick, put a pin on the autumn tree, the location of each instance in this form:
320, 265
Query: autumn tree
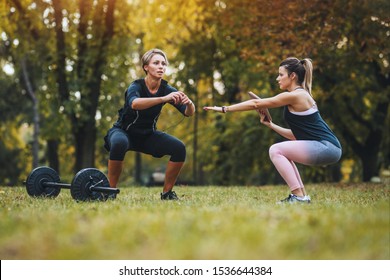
348, 42
76, 39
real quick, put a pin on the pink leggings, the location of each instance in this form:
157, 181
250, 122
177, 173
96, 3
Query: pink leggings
284, 154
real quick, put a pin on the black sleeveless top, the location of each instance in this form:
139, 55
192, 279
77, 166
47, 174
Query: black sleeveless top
310, 127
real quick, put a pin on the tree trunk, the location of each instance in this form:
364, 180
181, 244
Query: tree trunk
85, 132
36, 119
369, 155
85, 138
335, 174
84, 127
370, 166
52, 154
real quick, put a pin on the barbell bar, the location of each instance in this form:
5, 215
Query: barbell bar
88, 184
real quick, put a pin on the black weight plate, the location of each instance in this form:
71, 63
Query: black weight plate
84, 179
37, 177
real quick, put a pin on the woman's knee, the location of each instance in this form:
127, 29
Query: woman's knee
273, 151
179, 152
119, 145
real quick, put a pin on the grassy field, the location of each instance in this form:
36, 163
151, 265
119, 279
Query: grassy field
208, 223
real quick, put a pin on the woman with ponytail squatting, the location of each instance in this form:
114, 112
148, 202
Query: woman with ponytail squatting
312, 142
135, 129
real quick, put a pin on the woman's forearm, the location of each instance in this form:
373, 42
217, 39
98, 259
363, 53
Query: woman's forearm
286, 133
190, 109
243, 106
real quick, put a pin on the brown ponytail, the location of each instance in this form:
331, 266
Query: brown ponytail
307, 80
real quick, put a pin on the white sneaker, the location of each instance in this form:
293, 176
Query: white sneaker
292, 198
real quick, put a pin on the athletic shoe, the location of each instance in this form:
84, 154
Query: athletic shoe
169, 195
292, 198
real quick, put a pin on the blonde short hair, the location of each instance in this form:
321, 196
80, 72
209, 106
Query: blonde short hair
148, 56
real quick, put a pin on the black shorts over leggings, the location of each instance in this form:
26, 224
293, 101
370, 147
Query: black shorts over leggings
157, 144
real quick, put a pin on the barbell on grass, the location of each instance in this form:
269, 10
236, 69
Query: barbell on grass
88, 184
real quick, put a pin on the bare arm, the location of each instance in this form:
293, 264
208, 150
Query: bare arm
282, 99
190, 106
190, 109
285, 132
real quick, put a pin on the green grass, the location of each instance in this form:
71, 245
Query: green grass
208, 223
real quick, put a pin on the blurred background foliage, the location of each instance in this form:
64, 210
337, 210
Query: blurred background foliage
65, 64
